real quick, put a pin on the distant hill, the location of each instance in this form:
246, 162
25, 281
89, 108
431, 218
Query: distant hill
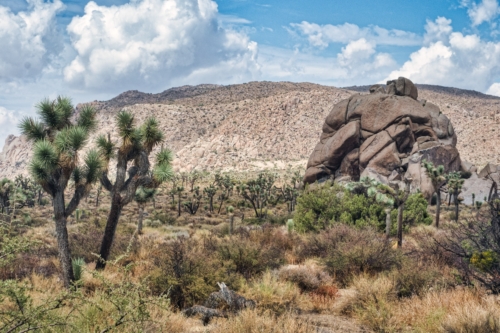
266, 124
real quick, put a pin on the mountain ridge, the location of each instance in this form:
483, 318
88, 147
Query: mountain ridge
263, 124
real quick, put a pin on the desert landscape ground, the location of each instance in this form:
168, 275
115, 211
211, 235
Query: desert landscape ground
225, 236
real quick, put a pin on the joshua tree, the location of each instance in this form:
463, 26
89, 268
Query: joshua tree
6, 187
192, 205
258, 192
226, 185
132, 157
436, 174
179, 191
57, 142
210, 193
400, 199
455, 183
142, 196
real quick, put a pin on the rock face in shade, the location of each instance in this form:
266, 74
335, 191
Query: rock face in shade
382, 134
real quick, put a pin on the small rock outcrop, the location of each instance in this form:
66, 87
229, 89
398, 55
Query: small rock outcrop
383, 134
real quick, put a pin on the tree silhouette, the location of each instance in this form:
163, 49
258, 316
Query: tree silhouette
57, 143
132, 158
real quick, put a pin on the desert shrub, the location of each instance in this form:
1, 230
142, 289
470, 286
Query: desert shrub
370, 301
307, 277
323, 205
189, 271
272, 293
152, 223
347, 251
253, 255
416, 278
164, 218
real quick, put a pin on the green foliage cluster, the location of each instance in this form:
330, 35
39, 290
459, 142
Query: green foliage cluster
323, 205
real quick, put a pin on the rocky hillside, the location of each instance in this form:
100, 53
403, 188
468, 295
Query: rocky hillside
267, 124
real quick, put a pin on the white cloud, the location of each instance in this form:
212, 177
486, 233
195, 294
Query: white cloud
438, 30
494, 89
151, 43
29, 39
8, 123
486, 11
322, 35
357, 63
453, 59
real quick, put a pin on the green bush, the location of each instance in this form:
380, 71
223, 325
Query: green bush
323, 205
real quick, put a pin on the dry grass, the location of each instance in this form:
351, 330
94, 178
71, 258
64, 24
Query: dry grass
253, 321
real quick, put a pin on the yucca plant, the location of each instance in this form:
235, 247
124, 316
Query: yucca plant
78, 265
142, 196
57, 142
436, 175
6, 187
455, 183
133, 169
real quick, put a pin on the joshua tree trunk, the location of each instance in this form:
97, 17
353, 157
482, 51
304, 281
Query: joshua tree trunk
141, 216
62, 239
438, 206
387, 222
179, 205
400, 225
109, 232
231, 224
456, 207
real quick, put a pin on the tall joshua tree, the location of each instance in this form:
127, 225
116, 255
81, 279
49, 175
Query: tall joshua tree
436, 174
57, 143
132, 157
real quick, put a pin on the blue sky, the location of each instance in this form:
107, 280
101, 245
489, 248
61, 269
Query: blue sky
96, 49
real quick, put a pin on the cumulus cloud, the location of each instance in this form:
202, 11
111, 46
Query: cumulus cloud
29, 39
486, 11
322, 35
494, 89
453, 59
357, 63
152, 43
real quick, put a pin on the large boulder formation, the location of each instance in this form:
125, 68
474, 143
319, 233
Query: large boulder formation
383, 134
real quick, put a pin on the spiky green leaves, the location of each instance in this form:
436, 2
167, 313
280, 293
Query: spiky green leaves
93, 166
163, 169
125, 123
71, 139
91, 170
33, 129
164, 156
45, 161
436, 174
55, 114
87, 118
151, 134
106, 148
45, 155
